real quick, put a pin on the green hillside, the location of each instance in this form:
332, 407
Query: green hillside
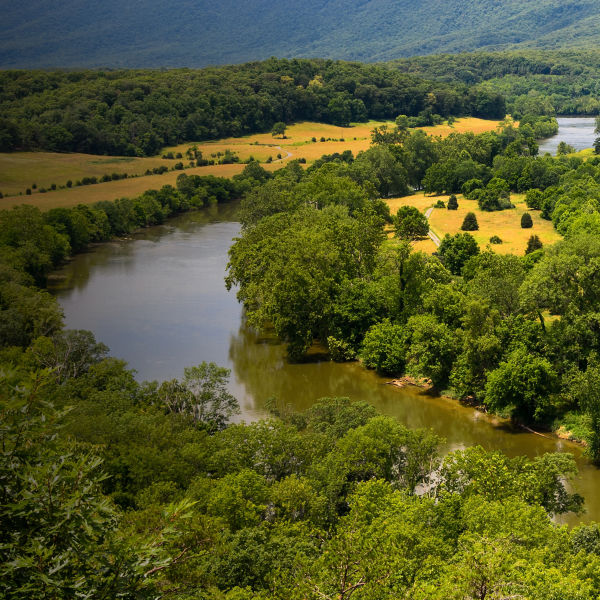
197, 32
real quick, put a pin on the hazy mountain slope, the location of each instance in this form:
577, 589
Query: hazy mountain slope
200, 32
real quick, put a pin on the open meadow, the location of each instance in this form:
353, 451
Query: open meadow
20, 170
506, 224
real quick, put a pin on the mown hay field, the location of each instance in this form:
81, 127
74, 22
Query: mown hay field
506, 224
19, 170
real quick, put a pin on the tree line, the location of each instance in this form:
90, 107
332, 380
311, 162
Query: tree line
136, 113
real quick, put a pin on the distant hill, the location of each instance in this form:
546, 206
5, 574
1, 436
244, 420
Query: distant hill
194, 33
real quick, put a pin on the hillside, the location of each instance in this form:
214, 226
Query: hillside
79, 33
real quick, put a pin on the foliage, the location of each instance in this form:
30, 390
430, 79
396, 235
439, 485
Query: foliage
384, 348
136, 113
533, 243
411, 223
202, 394
526, 221
470, 222
456, 250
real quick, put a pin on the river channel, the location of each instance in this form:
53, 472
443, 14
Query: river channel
575, 131
158, 300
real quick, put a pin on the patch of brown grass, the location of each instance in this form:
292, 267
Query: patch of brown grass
20, 170
506, 224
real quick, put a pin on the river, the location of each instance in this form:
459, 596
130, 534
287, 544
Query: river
575, 131
158, 300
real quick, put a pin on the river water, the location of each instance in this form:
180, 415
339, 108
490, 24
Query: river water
158, 300
575, 131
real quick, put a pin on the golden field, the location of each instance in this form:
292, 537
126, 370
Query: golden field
19, 170
506, 224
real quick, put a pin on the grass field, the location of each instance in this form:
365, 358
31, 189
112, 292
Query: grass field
19, 170
505, 224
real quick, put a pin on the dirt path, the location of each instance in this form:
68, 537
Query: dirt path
434, 238
289, 154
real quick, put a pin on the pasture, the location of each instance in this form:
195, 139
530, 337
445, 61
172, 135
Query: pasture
506, 224
20, 170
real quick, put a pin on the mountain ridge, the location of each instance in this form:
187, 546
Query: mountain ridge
197, 33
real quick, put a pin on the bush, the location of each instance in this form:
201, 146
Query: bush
533, 243
526, 221
470, 222
452, 202
440, 204
534, 198
495, 240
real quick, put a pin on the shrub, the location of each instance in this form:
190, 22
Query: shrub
495, 240
533, 243
470, 222
452, 202
440, 204
526, 221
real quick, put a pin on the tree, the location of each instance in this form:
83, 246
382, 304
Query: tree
526, 221
523, 385
534, 198
452, 202
456, 250
533, 243
432, 349
411, 223
279, 129
201, 395
564, 149
597, 145
384, 348
470, 222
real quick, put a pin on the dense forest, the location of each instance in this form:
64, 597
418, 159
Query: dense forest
514, 333
137, 113
561, 82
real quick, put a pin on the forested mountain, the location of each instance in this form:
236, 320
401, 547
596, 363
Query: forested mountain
532, 81
77, 33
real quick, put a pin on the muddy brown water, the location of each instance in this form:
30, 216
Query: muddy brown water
158, 300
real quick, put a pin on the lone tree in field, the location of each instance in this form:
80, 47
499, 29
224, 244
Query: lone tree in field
526, 221
452, 202
411, 223
279, 129
470, 222
533, 243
